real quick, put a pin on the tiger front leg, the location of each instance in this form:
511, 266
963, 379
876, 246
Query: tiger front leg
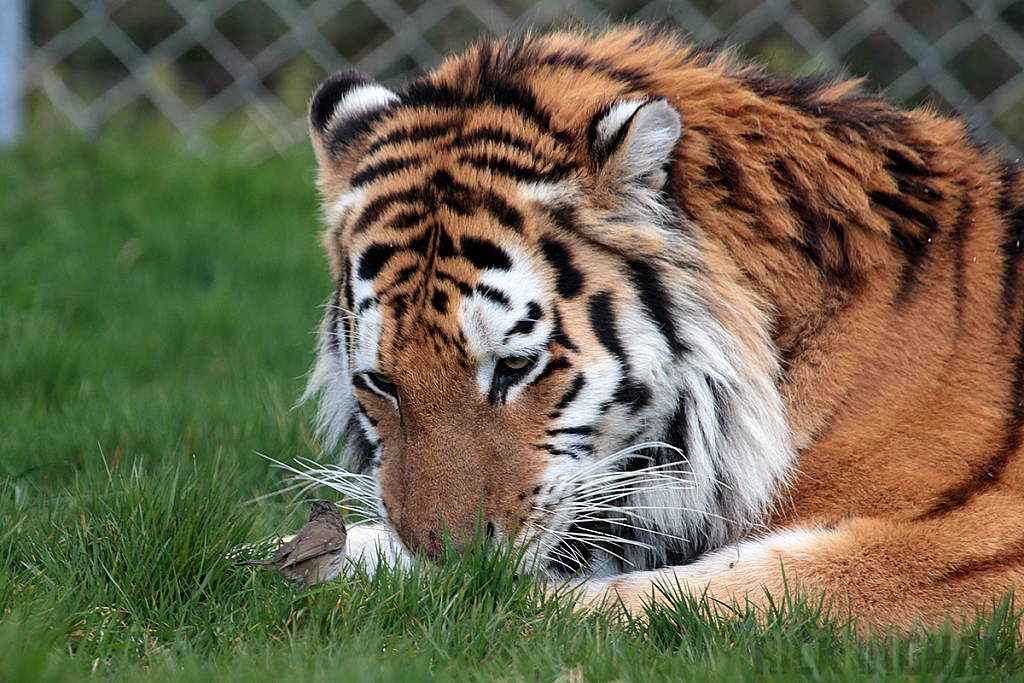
901, 572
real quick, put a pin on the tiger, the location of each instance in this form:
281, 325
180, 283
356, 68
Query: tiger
658, 317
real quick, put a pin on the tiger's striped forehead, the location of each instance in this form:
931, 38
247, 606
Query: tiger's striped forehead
441, 246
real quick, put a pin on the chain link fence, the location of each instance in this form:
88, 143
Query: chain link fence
236, 74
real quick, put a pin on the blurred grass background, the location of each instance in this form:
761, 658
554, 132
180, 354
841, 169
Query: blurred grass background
157, 318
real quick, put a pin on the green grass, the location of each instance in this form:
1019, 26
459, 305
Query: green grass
156, 320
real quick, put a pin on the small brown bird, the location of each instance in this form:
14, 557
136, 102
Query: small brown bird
315, 554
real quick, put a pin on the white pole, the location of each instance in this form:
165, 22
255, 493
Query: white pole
12, 46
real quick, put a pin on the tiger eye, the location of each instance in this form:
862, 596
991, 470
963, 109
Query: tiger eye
516, 363
382, 379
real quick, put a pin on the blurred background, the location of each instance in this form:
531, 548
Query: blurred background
236, 75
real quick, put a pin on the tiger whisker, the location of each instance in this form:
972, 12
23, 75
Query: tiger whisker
582, 561
355, 488
595, 535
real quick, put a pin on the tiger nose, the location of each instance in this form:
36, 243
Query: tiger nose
432, 542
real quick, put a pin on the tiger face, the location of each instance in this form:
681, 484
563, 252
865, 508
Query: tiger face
526, 333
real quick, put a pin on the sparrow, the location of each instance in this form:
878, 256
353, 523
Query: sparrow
315, 554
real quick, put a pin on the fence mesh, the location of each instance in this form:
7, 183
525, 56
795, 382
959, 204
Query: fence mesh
236, 74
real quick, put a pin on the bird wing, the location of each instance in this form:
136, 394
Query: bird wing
308, 548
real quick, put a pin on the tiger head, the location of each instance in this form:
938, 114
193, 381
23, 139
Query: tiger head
527, 331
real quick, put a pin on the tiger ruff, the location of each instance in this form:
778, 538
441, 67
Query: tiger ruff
661, 317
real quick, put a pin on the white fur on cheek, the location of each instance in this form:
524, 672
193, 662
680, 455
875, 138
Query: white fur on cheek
369, 327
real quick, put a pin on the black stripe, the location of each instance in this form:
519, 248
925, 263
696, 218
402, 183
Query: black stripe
500, 137
856, 112
1012, 210
404, 220
984, 477
424, 93
519, 99
366, 415
399, 304
581, 61
559, 451
656, 300
559, 336
585, 430
383, 168
463, 287
723, 171
485, 254
513, 169
373, 259
677, 434
445, 245
347, 296
506, 214
602, 320
439, 300
913, 244
568, 279
378, 206
493, 294
635, 394
956, 238
415, 133
573, 391
524, 326
342, 134
1012, 442
334, 329
918, 190
357, 442
565, 217
441, 189
821, 239
422, 242
560, 363
402, 276
428, 94
462, 199
365, 304
900, 164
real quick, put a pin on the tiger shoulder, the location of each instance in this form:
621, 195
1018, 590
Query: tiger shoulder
660, 317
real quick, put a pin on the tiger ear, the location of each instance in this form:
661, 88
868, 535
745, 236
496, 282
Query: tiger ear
632, 141
345, 106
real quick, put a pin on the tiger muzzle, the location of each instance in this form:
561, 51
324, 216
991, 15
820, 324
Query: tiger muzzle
436, 493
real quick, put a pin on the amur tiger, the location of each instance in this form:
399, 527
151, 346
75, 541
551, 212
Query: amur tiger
659, 317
